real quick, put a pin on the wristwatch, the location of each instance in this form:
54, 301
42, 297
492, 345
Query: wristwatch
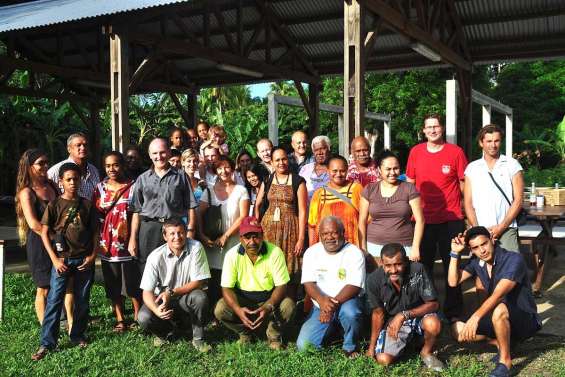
454, 255
406, 314
171, 292
270, 306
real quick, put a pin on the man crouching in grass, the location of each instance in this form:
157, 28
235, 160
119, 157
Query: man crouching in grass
509, 312
402, 296
172, 284
68, 231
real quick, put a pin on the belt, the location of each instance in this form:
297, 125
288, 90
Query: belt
154, 219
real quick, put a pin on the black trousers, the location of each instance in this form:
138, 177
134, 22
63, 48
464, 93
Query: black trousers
437, 239
150, 237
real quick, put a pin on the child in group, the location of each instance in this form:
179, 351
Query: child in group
175, 159
69, 229
217, 138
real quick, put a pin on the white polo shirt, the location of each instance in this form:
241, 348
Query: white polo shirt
488, 202
332, 272
165, 269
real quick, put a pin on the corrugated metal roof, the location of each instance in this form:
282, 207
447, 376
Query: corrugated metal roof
493, 29
48, 12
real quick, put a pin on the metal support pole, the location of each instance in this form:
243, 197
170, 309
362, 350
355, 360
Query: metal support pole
451, 111
343, 137
487, 110
509, 130
119, 89
273, 119
386, 135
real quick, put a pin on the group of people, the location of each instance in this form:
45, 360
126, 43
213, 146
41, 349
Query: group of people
199, 234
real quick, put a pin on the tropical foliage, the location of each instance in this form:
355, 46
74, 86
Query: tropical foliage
536, 92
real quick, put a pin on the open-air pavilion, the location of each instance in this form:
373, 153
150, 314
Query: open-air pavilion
85, 51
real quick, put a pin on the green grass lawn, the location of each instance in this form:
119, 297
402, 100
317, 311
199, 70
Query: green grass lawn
133, 354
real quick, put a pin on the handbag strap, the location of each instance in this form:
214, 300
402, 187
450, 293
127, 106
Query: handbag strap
499, 188
120, 194
339, 195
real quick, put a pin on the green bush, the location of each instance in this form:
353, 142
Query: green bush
545, 177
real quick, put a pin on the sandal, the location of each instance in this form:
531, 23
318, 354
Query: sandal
40, 354
120, 327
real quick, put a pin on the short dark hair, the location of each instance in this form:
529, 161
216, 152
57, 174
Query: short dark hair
117, 154
387, 153
474, 232
339, 158
391, 249
432, 116
68, 166
173, 222
489, 129
175, 153
222, 160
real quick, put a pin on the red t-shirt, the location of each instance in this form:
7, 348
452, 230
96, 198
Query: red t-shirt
437, 177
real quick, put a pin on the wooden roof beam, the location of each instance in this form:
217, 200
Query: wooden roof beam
407, 28
188, 49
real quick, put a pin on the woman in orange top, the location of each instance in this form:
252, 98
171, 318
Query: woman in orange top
339, 198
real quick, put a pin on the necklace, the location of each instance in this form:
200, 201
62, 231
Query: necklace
285, 182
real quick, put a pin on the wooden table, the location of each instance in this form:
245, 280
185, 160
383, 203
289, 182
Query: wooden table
8, 237
546, 216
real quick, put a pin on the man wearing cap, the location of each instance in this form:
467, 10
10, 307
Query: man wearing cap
160, 193
509, 313
254, 278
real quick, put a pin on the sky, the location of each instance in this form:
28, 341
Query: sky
260, 90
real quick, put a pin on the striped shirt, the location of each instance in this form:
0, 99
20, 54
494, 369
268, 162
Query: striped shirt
88, 181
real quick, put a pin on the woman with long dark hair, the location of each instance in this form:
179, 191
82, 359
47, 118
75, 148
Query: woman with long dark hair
284, 220
253, 180
34, 191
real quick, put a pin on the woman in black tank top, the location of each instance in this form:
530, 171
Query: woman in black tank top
33, 192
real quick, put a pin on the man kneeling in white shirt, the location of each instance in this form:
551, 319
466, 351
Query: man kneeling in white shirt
333, 274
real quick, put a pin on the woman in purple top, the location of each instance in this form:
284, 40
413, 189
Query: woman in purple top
386, 210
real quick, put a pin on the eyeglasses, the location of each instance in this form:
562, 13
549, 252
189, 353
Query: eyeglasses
432, 127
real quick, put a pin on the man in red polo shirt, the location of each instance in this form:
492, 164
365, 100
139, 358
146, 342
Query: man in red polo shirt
437, 169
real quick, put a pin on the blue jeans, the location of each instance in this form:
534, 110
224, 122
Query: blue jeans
349, 316
81, 291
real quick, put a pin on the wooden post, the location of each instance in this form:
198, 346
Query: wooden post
508, 131
94, 131
353, 68
314, 101
192, 104
451, 111
487, 110
273, 118
119, 90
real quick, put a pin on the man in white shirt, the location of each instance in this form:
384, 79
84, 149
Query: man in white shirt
495, 208
77, 146
333, 274
172, 283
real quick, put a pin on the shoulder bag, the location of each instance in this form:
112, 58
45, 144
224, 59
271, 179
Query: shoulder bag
213, 227
522, 217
